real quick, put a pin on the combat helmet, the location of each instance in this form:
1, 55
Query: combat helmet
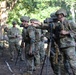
61, 11
14, 22
24, 18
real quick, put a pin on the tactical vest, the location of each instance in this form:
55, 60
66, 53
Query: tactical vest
25, 36
37, 36
66, 40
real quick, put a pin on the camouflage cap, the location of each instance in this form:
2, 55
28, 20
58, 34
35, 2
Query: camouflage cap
14, 22
24, 18
61, 11
33, 19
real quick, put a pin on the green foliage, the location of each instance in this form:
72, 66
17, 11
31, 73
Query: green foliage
39, 9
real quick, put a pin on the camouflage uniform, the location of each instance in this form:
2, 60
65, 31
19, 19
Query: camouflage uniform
14, 37
30, 43
42, 50
73, 26
37, 47
67, 43
37, 43
28, 37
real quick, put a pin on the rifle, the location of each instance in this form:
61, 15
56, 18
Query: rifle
49, 47
46, 55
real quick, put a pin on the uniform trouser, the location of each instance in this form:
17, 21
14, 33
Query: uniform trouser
14, 48
29, 60
69, 59
42, 51
36, 55
55, 66
29, 64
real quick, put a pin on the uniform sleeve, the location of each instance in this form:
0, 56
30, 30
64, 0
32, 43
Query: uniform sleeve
73, 26
31, 33
73, 29
19, 33
9, 34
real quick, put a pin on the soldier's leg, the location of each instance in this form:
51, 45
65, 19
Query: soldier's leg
66, 64
37, 59
37, 55
30, 64
18, 49
71, 58
42, 51
11, 50
29, 59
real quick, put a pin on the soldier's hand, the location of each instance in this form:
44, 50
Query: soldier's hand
37, 22
63, 32
30, 52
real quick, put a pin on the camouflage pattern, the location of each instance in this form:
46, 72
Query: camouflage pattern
42, 51
37, 43
40, 43
66, 42
14, 38
30, 40
69, 60
73, 27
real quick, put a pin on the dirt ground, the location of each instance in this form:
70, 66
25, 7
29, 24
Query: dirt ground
20, 67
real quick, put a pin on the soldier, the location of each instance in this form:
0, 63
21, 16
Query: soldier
28, 38
66, 41
37, 44
40, 43
52, 49
24, 24
13, 35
